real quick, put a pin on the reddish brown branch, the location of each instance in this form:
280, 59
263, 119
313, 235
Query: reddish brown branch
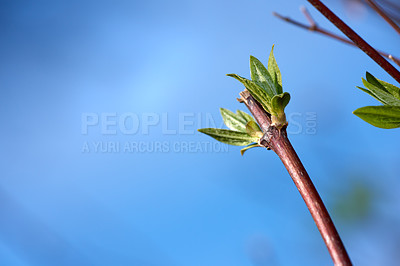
352, 35
383, 14
308, 16
315, 28
277, 140
391, 9
390, 4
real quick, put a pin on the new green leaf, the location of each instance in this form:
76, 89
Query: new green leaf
254, 145
256, 91
254, 130
233, 121
266, 88
245, 116
229, 136
262, 77
368, 92
380, 116
280, 101
372, 80
395, 91
380, 93
274, 71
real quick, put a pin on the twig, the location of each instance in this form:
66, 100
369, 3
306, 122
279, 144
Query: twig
315, 28
392, 5
308, 16
393, 16
391, 10
383, 14
277, 140
352, 35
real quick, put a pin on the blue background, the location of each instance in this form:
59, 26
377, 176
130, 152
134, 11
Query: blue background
60, 205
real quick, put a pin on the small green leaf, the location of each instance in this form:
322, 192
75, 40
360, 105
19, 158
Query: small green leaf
254, 145
381, 94
384, 92
233, 121
368, 92
262, 77
254, 130
371, 79
274, 71
256, 91
279, 102
245, 116
229, 136
395, 91
380, 116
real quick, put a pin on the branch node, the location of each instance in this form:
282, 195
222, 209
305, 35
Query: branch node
265, 140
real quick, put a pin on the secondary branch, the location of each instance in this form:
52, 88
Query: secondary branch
315, 28
383, 14
352, 35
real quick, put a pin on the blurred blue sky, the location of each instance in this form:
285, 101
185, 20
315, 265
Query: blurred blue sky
60, 60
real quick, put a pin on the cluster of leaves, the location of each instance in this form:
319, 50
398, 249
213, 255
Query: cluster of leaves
386, 115
266, 87
243, 130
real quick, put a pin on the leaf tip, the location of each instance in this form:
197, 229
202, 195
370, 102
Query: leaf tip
252, 57
253, 62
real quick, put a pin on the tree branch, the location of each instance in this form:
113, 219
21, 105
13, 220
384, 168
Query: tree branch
277, 140
391, 5
352, 35
315, 28
383, 14
391, 9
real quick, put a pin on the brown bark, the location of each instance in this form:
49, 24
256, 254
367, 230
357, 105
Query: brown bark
277, 140
360, 42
